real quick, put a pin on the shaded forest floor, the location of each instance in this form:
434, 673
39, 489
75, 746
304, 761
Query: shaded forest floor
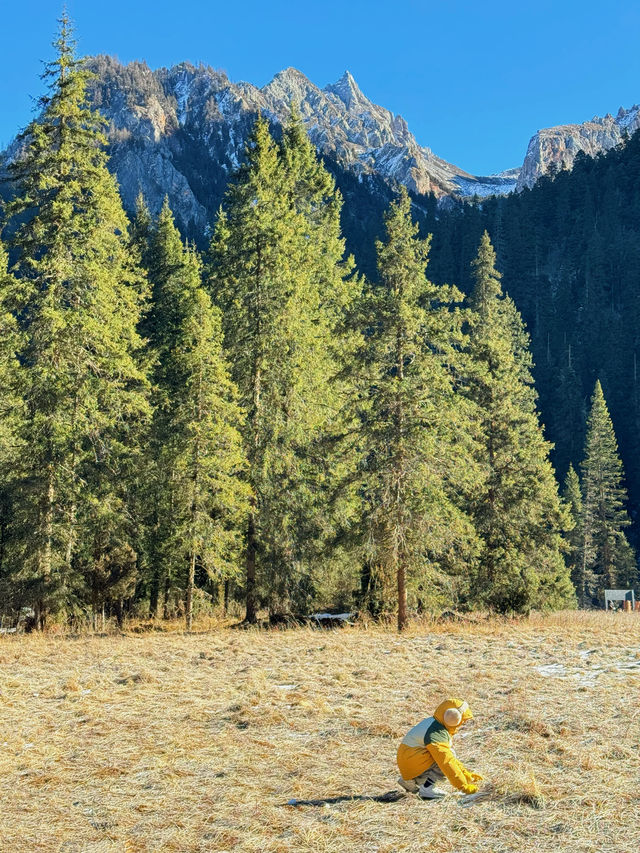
172, 742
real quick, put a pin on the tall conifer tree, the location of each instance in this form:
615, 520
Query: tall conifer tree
608, 559
276, 270
251, 278
415, 445
518, 514
141, 230
78, 306
331, 292
196, 499
572, 496
210, 457
11, 414
172, 286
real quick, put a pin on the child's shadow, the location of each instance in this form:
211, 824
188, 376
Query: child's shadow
389, 797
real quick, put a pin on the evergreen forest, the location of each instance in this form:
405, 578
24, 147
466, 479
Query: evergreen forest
397, 411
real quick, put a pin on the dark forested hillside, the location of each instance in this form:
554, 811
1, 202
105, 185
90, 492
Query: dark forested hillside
569, 250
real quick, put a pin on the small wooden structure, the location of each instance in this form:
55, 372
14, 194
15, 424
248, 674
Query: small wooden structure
621, 595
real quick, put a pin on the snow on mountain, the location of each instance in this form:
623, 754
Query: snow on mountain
501, 184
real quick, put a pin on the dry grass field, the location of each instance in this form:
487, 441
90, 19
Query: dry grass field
172, 742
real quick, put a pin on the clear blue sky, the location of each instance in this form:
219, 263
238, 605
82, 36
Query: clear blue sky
473, 79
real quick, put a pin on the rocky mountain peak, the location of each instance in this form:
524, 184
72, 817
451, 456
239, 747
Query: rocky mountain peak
348, 91
557, 147
290, 73
289, 86
181, 132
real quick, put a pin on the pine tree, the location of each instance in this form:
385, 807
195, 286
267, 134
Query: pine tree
518, 514
210, 460
413, 432
276, 272
572, 496
608, 559
77, 306
312, 193
195, 497
172, 286
166, 267
331, 293
249, 271
11, 414
141, 231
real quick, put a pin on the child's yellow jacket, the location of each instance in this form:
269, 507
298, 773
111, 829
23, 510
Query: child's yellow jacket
431, 741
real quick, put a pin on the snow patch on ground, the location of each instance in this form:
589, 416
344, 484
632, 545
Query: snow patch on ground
587, 675
552, 669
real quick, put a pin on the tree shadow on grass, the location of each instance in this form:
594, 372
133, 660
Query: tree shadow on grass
389, 797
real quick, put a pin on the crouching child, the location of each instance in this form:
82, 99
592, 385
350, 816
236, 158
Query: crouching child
426, 755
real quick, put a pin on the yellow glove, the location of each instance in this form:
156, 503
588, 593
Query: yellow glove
469, 789
476, 777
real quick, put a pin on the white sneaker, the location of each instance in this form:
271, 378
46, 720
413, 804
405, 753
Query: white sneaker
430, 792
408, 784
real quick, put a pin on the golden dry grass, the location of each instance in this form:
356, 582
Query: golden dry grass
169, 742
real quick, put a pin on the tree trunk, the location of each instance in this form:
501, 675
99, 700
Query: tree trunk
190, 583
48, 526
154, 593
165, 603
4, 526
154, 587
46, 555
40, 618
71, 532
251, 603
369, 597
583, 579
490, 535
402, 594
226, 596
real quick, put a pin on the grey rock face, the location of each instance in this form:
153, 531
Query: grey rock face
557, 147
154, 130
181, 132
